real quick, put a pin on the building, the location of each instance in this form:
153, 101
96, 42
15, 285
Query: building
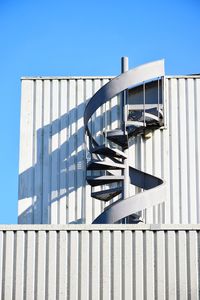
55, 252
53, 152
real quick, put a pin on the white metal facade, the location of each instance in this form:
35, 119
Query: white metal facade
52, 185
99, 262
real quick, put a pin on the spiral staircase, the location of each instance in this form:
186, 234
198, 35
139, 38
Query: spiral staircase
111, 157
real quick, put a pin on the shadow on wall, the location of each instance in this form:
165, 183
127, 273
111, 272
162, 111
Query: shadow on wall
53, 189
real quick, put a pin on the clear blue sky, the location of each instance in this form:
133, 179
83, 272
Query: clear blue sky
83, 38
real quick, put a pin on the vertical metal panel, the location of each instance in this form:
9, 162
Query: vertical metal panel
8, 265
99, 262
95, 266
19, 265
41, 264
52, 185
127, 266
26, 187
62, 286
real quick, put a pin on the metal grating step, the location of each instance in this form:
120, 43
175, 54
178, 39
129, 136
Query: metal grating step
101, 180
107, 195
109, 152
118, 137
104, 165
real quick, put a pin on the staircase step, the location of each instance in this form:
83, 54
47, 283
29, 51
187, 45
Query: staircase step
113, 172
134, 219
104, 165
107, 195
101, 180
134, 131
135, 123
109, 152
118, 137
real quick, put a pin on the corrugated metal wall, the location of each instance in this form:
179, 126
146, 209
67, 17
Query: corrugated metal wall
173, 153
99, 262
52, 187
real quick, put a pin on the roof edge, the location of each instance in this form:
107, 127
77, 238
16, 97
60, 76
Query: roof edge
95, 77
72, 227
64, 77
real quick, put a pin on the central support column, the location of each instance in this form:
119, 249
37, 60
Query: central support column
124, 68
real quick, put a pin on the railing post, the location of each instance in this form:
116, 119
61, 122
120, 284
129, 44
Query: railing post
124, 68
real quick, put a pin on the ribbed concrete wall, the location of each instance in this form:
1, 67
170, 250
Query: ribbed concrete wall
99, 262
52, 186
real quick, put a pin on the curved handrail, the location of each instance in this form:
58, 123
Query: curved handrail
155, 187
124, 208
155, 193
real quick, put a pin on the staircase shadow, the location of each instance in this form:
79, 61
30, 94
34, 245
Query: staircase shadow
59, 169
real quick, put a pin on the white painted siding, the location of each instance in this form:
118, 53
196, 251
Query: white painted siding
99, 262
52, 186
